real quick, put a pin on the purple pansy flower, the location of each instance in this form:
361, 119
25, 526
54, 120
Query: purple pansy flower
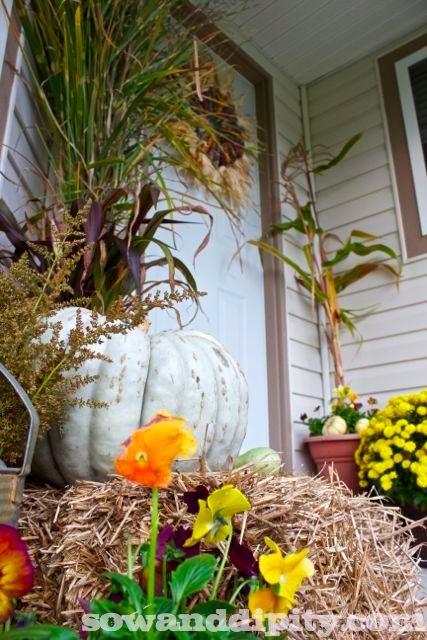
169, 536
191, 498
243, 559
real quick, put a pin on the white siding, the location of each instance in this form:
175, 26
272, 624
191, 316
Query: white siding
4, 27
306, 389
23, 161
358, 194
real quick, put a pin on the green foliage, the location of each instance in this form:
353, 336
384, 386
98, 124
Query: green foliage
48, 370
315, 425
112, 79
40, 632
192, 576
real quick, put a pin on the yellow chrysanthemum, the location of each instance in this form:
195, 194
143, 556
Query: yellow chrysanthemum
393, 456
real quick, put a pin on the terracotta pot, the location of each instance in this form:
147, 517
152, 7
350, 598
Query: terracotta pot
337, 452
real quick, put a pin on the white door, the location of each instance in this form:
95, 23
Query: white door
233, 309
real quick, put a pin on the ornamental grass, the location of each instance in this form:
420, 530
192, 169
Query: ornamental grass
361, 549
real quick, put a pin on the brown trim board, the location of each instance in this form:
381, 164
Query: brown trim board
280, 425
415, 242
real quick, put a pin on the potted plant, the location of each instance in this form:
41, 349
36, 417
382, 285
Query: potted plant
326, 275
113, 100
392, 458
334, 438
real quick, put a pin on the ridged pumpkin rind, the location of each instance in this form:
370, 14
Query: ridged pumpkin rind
91, 438
192, 375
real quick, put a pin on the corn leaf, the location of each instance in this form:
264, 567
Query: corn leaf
340, 156
280, 227
344, 280
359, 249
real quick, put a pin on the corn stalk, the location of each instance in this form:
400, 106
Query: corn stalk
325, 275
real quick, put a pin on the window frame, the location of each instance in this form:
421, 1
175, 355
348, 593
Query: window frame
413, 136
414, 240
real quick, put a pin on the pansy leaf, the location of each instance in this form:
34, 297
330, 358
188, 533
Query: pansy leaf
163, 605
103, 605
192, 576
40, 632
127, 586
211, 606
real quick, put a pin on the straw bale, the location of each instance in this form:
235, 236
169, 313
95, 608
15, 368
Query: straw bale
361, 549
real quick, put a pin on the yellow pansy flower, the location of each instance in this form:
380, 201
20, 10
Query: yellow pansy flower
213, 521
287, 572
264, 601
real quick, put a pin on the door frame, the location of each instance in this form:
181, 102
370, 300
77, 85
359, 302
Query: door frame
275, 308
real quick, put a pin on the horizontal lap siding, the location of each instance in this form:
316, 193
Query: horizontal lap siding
302, 329
23, 158
303, 332
358, 194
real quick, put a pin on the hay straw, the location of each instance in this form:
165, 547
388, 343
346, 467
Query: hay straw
362, 556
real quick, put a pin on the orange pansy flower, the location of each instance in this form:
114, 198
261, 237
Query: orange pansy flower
16, 570
151, 450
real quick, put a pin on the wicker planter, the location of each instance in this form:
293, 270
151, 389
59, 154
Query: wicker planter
12, 480
336, 452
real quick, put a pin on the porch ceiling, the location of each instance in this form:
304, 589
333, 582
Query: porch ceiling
310, 38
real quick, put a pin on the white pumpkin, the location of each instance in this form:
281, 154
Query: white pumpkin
192, 375
92, 438
361, 425
334, 426
183, 372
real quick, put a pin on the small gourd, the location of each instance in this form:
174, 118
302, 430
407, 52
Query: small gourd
334, 426
261, 460
361, 425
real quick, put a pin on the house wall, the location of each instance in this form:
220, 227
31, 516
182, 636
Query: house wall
359, 194
23, 161
305, 369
